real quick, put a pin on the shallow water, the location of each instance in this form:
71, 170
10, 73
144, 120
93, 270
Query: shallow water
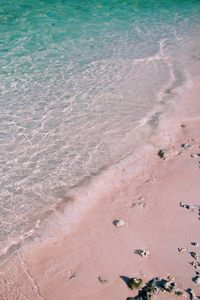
77, 80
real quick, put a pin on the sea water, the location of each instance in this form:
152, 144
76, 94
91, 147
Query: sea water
78, 79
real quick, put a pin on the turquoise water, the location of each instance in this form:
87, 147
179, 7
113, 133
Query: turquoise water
77, 78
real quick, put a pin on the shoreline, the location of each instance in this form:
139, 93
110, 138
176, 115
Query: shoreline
66, 263
144, 131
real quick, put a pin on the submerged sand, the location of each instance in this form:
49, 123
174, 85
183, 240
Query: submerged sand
92, 260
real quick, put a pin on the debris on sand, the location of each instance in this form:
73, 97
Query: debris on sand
194, 255
134, 283
186, 146
154, 286
195, 244
119, 223
163, 153
102, 280
192, 207
142, 253
195, 155
196, 279
195, 264
185, 205
182, 250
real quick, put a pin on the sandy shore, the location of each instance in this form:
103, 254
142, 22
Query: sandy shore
94, 260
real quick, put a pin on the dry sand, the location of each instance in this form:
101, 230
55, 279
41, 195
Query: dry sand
67, 267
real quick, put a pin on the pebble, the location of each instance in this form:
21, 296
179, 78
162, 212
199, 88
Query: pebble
182, 250
163, 153
119, 223
185, 145
194, 255
195, 155
196, 279
184, 205
190, 206
195, 264
195, 244
142, 253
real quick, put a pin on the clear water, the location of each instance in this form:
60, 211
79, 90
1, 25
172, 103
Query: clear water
76, 80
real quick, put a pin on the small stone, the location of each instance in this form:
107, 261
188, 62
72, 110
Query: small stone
142, 253
184, 205
196, 279
182, 250
194, 255
192, 207
163, 153
195, 244
183, 125
185, 145
134, 283
195, 155
102, 280
195, 264
119, 223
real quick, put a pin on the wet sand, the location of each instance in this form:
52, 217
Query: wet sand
93, 260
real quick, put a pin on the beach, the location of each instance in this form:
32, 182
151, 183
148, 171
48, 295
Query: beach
94, 258
99, 150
